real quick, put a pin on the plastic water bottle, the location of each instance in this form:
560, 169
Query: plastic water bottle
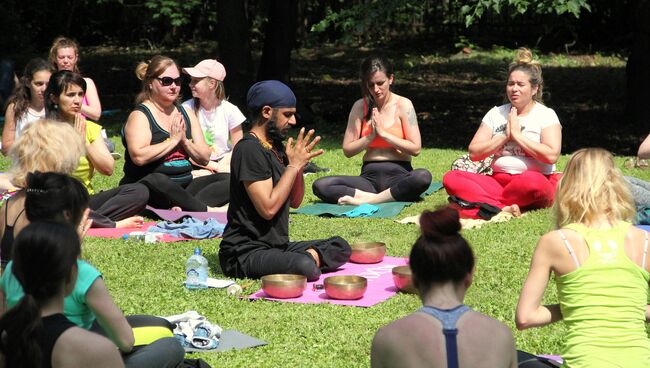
134, 236
196, 271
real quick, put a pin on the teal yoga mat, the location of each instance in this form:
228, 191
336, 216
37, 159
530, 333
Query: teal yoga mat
386, 210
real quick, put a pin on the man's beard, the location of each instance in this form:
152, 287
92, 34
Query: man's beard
277, 138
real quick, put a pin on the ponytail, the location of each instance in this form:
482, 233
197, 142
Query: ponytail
44, 256
21, 329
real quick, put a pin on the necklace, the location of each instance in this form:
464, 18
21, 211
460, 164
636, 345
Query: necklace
264, 144
268, 146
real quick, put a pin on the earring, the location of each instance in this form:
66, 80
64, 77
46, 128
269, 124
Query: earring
56, 107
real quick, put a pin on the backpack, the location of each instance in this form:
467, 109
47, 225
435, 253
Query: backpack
464, 163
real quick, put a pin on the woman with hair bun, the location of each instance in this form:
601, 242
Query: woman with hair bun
27, 104
525, 138
444, 332
35, 332
601, 266
161, 136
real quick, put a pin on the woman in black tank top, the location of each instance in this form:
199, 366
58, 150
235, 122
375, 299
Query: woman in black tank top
161, 137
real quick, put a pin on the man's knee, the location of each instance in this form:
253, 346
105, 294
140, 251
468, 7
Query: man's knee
306, 266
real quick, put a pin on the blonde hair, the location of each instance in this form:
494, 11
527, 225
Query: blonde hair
62, 43
46, 146
219, 93
524, 62
147, 72
592, 186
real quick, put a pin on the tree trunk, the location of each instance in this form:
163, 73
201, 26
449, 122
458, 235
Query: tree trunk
638, 70
279, 39
234, 48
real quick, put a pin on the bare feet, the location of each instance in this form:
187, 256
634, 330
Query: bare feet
349, 200
314, 254
513, 209
130, 222
201, 172
177, 209
361, 197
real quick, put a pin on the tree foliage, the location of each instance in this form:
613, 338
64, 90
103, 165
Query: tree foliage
473, 10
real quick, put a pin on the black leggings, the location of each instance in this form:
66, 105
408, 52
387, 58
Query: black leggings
210, 190
116, 204
405, 184
261, 259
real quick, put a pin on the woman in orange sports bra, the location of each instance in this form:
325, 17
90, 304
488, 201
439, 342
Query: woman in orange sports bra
385, 126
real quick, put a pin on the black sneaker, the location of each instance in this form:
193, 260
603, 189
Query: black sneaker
312, 168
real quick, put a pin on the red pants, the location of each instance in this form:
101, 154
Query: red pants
529, 190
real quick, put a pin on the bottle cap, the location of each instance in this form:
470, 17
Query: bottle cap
197, 251
125, 236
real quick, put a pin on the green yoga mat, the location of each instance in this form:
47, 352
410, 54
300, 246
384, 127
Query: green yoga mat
386, 210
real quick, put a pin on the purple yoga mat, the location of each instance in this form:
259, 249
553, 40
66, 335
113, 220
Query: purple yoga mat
170, 215
380, 284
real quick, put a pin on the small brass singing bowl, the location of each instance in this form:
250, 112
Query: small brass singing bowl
284, 286
346, 287
403, 280
368, 252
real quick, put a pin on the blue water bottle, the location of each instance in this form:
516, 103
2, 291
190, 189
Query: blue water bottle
196, 271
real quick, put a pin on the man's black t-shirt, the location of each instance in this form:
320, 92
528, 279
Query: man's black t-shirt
246, 228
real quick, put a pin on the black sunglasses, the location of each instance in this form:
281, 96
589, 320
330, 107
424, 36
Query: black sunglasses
167, 81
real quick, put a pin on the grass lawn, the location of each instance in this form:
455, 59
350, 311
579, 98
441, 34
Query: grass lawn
146, 278
450, 95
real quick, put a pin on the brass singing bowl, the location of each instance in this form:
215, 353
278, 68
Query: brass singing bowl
403, 280
368, 252
284, 286
348, 287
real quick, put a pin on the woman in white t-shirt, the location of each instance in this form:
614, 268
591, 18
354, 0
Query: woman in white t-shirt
525, 138
219, 118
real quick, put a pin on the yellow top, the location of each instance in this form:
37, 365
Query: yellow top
86, 170
603, 304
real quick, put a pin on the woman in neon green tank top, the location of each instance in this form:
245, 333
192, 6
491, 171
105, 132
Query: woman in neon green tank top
600, 262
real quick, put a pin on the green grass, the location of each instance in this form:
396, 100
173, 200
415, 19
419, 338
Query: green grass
146, 278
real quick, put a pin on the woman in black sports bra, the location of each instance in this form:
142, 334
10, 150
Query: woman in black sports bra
160, 137
30, 153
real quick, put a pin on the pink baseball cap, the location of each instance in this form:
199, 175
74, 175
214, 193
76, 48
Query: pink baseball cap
207, 68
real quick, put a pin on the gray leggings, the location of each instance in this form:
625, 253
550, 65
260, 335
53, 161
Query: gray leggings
640, 191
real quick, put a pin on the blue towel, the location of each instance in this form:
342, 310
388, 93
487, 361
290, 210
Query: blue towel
362, 210
190, 228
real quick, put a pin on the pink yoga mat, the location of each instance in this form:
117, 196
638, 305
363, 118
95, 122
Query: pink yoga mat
118, 233
380, 284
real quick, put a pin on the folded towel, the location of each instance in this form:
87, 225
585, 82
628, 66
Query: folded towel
363, 210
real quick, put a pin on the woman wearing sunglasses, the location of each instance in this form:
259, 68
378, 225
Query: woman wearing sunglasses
116, 207
161, 137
